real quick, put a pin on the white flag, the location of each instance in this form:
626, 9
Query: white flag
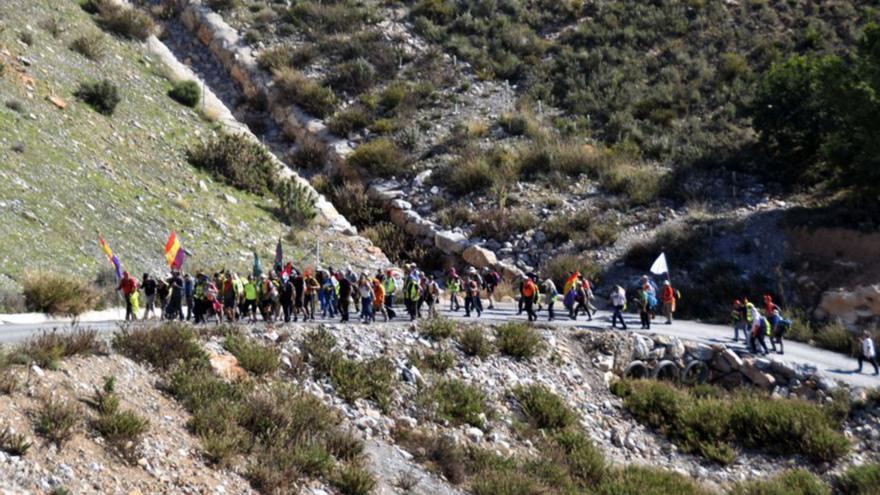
660, 267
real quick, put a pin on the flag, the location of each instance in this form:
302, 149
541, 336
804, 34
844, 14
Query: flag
258, 267
279, 257
111, 257
660, 267
570, 282
174, 252
288, 269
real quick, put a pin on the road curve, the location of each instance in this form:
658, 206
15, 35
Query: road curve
831, 364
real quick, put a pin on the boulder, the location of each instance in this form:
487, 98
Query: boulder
791, 371
675, 349
226, 366
508, 271
642, 347
479, 257
720, 363
604, 362
700, 352
732, 359
757, 376
450, 242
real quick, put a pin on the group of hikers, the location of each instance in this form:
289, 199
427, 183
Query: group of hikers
287, 294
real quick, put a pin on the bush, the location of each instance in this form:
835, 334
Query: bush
48, 348
638, 183
394, 242
711, 425
348, 121
835, 337
103, 96
305, 93
122, 428
58, 295
648, 481
354, 480
584, 461
90, 46
14, 444
456, 402
9, 382
236, 159
795, 482
355, 205
437, 328
297, 203
355, 380
859, 480
354, 76
162, 346
379, 157
310, 154
518, 340
542, 408
125, 22
474, 343
186, 93
252, 356
502, 223
438, 361
56, 420
479, 171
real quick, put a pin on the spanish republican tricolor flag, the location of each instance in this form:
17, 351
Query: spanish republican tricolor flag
110, 256
570, 282
174, 253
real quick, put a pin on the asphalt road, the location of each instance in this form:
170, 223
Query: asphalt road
831, 364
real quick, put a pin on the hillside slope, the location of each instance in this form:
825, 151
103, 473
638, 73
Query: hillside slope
71, 172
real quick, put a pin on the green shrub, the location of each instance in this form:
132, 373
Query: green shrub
438, 361
90, 46
277, 57
506, 483
518, 340
349, 121
542, 408
543, 158
355, 380
303, 92
103, 96
712, 426
835, 337
795, 482
648, 481
473, 342
352, 479
379, 157
9, 382
479, 171
58, 295
310, 154
456, 402
394, 242
14, 444
638, 183
48, 348
297, 203
236, 159
519, 124
437, 328
859, 480
162, 346
501, 223
355, 205
56, 420
257, 358
194, 385
123, 427
186, 93
584, 461
125, 22
354, 76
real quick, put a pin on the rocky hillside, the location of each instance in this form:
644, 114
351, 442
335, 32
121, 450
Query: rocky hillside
438, 126
434, 408
72, 172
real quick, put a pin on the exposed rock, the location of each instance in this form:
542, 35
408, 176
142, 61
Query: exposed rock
450, 242
675, 348
756, 375
479, 257
226, 366
732, 359
699, 351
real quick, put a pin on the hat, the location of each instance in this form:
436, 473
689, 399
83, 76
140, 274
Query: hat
666, 282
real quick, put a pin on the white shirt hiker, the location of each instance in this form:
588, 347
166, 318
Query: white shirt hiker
868, 347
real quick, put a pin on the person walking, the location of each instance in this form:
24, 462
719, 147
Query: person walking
618, 302
760, 329
389, 287
379, 299
162, 290
453, 286
667, 297
174, 310
868, 352
550, 297
128, 286
310, 297
249, 309
287, 292
644, 302
528, 293
432, 296
365, 292
491, 279
188, 294
778, 327
344, 296
149, 286
739, 320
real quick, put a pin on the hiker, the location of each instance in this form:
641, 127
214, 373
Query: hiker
550, 297
432, 295
618, 302
249, 309
412, 294
582, 296
128, 286
162, 291
199, 293
453, 286
778, 327
188, 290
365, 292
310, 297
389, 287
760, 329
299, 287
353, 278
379, 299
149, 286
739, 320
867, 352
230, 297
528, 292
491, 279
174, 309
345, 289
667, 297
769, 305
472, 297
287, 292
643, 303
